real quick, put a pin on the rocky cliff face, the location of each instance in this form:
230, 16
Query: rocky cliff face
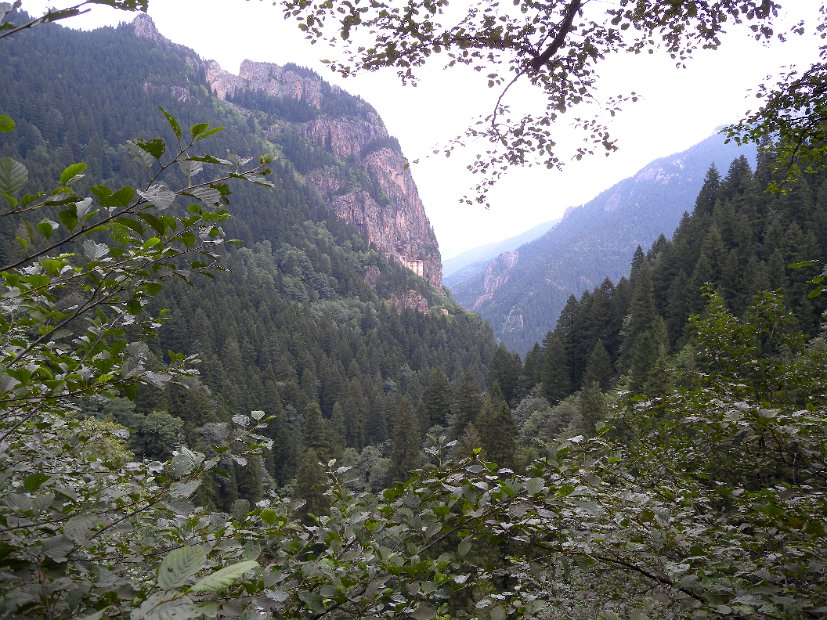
389, 212
496, 274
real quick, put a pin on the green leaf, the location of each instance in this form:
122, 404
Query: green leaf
199, 128
224, 578
157, 224
155, 147
424, 613
184, 489
52, 266
209, 196
72, 172
46, 228
176, 128
106, 198
269, 516
167, 606
313, 600
534, 485
77, 528
6, 123
69, 217
465, 546
251, 550
210, 132
33, 482
58, 548
179, 565
158, 195
13, 176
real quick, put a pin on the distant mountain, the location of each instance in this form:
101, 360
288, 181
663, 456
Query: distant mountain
330, 315
473, 261
520, 293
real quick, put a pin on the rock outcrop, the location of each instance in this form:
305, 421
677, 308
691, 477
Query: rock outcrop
388, 212
496, 274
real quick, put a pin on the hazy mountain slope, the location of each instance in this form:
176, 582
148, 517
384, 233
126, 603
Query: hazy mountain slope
470, 262
311, 315
521, 293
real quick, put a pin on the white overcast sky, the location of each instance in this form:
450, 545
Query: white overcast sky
678, 108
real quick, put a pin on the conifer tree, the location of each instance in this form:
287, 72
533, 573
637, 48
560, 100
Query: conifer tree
436, 399
705, 202
376, 430
317, 433
505, 371
468, 442
598, 367
497, 430
355, 411
311, 484
465, 406
556, 373
405, 446
532, 368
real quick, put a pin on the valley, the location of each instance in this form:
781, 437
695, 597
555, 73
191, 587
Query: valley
237, 379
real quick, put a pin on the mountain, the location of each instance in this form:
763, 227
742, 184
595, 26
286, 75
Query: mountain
521, 292
473, 261
330, 315
384, 204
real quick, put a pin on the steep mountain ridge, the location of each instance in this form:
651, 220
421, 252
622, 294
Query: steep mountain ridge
311, 323
591, 243
393, 217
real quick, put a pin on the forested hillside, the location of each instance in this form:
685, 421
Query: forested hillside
521, 297
739, 241
193, 428
308, 318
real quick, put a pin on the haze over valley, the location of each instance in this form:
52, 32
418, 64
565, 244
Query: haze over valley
241, 377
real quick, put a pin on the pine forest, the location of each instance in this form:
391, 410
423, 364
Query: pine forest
233, 386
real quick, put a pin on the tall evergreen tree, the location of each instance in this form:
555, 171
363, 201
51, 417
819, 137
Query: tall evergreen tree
505, 371
497, 430
436, 399
598, 367
317, 433
465, 406
467, 442
705, 202
406, 450
592, 407
311, 485
556, 373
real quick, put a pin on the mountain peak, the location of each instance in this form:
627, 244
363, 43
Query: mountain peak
143, 26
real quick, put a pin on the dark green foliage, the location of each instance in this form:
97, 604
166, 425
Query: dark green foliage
592, 408
593, 242
465, 406
293, 110
704, 501
505, 371
739, 240
311, 484
598, 367
406, 447
156, 434
436, 399
293, 324
556, 376
496, 429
